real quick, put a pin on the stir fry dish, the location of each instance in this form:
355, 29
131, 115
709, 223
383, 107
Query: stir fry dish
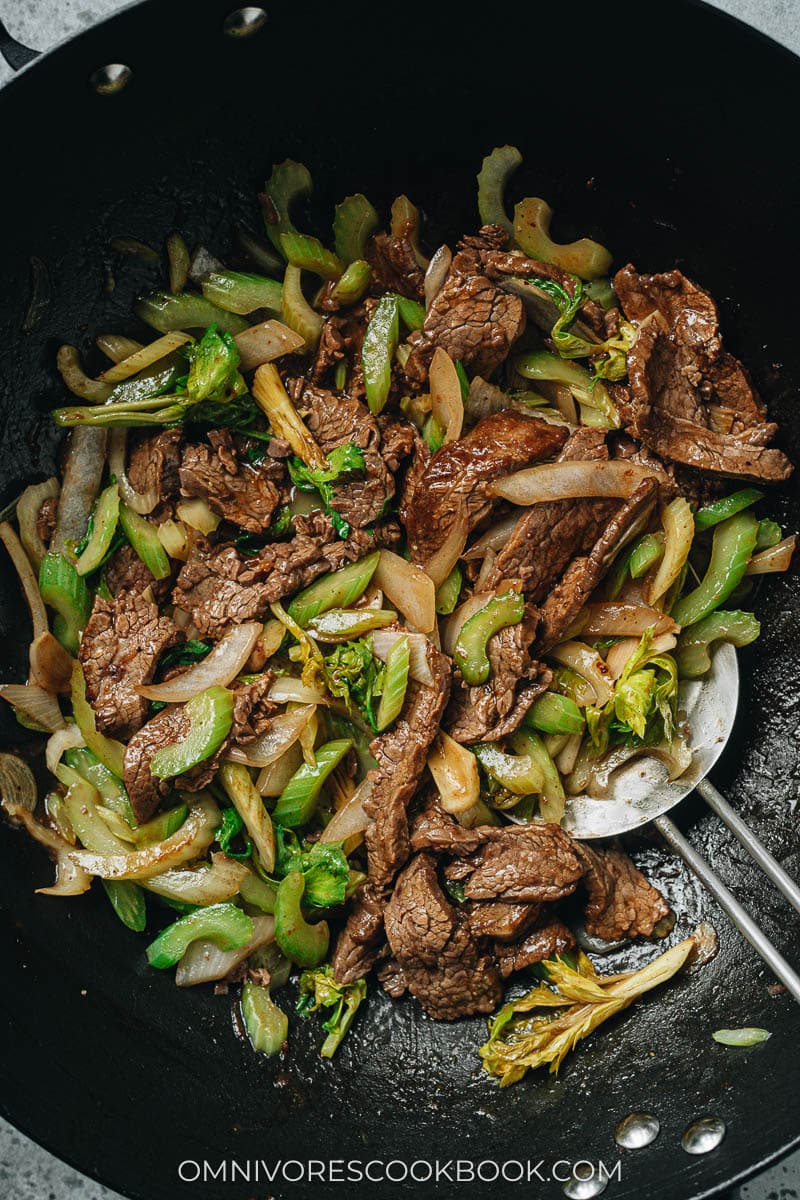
353, 576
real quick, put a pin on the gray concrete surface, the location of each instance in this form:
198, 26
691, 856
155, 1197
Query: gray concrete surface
26, 1171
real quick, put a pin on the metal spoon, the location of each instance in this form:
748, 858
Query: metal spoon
639, 793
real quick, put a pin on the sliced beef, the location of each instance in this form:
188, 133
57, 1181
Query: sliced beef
341, 338
503, 920
362, 940
548, 938
220, 587
399, 442
125, 573
153, 464
621, 902
455, 480
535, 863
449, 971
244, 495
690, 401
494, 709
471, 317
362, 497
252, 709
513, 271
119, 651
394, 266
584, 574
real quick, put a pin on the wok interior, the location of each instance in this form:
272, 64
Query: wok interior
663, 143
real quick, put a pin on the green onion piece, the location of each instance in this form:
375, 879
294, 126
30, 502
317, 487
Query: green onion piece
448, 592
517, 773
353, 283
64, 590
338, 589
298, 799
346, 624
377, 352
554, 713
238, 292
694, 644
145, 541
111, 788
304, 944
110, 752
179, 262
104, 518
463, 379
297, 312
394, 684
127, 900
259, 893
354, 223
162, 826
267, 1025
588, 390
470, 649
433, 434
728, 506
552, 801
210, 716
412, 313
645, 554
496, 170
769, 534
340, 375
741, 1037
187, 311
224, 924
308, 254
289, 182
734, 541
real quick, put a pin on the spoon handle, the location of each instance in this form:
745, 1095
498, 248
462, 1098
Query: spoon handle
728, 902
744, 834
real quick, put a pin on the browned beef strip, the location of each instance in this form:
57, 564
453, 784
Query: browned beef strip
494, 709
535, 863
119, 651
443, 965
244, 495
399, 441
220, 587
504, 920
394, 266
584, 574
548, 938
361, 941
341, 338
125, 572
506, 267
455, 479
153, 463
621, 902
360, 498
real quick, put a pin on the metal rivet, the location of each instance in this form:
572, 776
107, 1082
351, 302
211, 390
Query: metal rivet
244, 22
637, 1130
109, 80
704, 1135
585, 1184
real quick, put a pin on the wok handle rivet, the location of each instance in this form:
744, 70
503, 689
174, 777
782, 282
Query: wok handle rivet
587, 1180
704, 1135
244, 22
636, 1130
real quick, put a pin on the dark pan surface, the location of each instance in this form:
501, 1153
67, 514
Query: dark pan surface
679, 118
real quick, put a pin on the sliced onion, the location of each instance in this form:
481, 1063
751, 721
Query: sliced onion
678, 521
71, 878
201, 884
37, 705
408, 588
442, 562
677, 758
418, 643
145, 356
68, 362
457, 620
51, 665
437, 273
494, 539
67, 738
618, 620
586, 662
447, 405
141, 502
455, 772
287, 690
264, 342
487, 568
29, 506
565, 760
197, 515
274, 778
17, 782
30, 586
175, 539
194, 837
571, 481
350, 820
217, 669
284, 730
116, 346
776, 558
204, 962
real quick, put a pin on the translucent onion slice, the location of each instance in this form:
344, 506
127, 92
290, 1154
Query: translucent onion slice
273, 779
51, 665
351, 819
200, 884
494, 539
145, 357
442, 562
418, 667
457, 620
409, 588
71, 878
447, 405
37, 705
287, 690
776, 558
141, 502
29, 507
197, 515
264, 342
620, 620
204, 962
283, 732
487, 568
678, 522
217, 669
571, 481
437, 273
189, 842
455, 772
17, 782
67, 738
30, 585
587, 663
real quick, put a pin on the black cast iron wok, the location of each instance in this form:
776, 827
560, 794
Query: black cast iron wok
663, 129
